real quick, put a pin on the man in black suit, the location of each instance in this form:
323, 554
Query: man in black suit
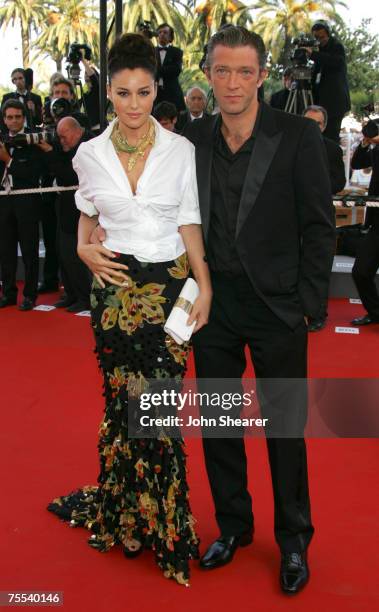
75, 274
268, 224
21, 167
196, 101
337, 180
329, 78
31, 101
366, 264
279, 99
169, 62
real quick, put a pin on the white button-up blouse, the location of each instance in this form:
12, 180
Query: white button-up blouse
144, 224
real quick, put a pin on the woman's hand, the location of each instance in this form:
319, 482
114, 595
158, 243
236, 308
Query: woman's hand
98, 259
200, 310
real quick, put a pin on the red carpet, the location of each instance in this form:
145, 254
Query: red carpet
51, 408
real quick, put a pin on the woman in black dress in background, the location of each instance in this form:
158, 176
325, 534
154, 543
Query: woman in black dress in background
139, 181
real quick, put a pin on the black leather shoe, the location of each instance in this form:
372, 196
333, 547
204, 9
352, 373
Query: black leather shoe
27, 304
131, 553
294, 572
315, 325
65, 302
5, 301
366, 320
222, 550
78, 307
47, 288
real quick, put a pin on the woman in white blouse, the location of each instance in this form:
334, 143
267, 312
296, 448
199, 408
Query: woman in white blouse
139, 182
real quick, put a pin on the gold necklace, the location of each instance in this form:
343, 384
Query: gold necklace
121, 144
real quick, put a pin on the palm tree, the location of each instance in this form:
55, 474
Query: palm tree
68, 21
156, 11
29, 14
278, 21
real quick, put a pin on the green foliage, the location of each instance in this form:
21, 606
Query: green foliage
362, 56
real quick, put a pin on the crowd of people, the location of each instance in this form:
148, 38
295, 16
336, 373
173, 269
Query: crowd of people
23, 111
244, 200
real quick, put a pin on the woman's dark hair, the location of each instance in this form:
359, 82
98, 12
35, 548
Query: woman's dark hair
132, 51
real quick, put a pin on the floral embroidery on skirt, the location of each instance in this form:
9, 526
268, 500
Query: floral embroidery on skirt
142, 491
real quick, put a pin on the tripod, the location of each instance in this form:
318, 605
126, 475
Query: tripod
300, 96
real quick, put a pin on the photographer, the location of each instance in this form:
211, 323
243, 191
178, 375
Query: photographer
169, 62
21, 168
329, 78
337, 181
90, 100
366, 155
75, 274
279, 99
31, 101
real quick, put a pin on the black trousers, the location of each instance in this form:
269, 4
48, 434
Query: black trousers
333, 128
239, 318
19, 223
364, 272
49, 232
75, 275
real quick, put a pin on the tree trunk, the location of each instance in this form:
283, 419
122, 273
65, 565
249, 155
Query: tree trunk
25, 42
58, 61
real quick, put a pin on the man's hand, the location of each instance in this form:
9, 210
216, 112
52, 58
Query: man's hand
4, 155
98, 235
45, 146
98, 259
31, 106
200, 310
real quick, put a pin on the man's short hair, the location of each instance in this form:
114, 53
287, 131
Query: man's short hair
191, 89
11, 103
18, 70
236, 36
321, 25
165, 110
171, 30
317, 109
63, 81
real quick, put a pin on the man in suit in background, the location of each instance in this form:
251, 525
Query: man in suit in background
21, 167
31, 101
169, 62
268, 224
196, 101
279, 99
75, 274
329, 78
337, 180
167, 115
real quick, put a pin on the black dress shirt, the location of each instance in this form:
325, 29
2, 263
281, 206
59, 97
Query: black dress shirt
227, 180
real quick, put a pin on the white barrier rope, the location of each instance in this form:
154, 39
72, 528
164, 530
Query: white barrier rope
58, 188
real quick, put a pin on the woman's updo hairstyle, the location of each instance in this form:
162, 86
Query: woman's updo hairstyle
132, 51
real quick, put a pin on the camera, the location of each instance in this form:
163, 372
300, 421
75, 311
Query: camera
144, 27
26, 140
299, 56
371, 128
74, 58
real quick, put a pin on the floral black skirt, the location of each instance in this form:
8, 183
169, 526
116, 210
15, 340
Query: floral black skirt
142, 492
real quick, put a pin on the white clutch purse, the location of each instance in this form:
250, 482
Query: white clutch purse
176, 324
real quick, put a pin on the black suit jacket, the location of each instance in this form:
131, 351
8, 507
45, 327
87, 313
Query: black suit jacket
279, 99
368, 157
183, 118
332, 91
169, 71
285, 235
25, 172
336, 165
33, 118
